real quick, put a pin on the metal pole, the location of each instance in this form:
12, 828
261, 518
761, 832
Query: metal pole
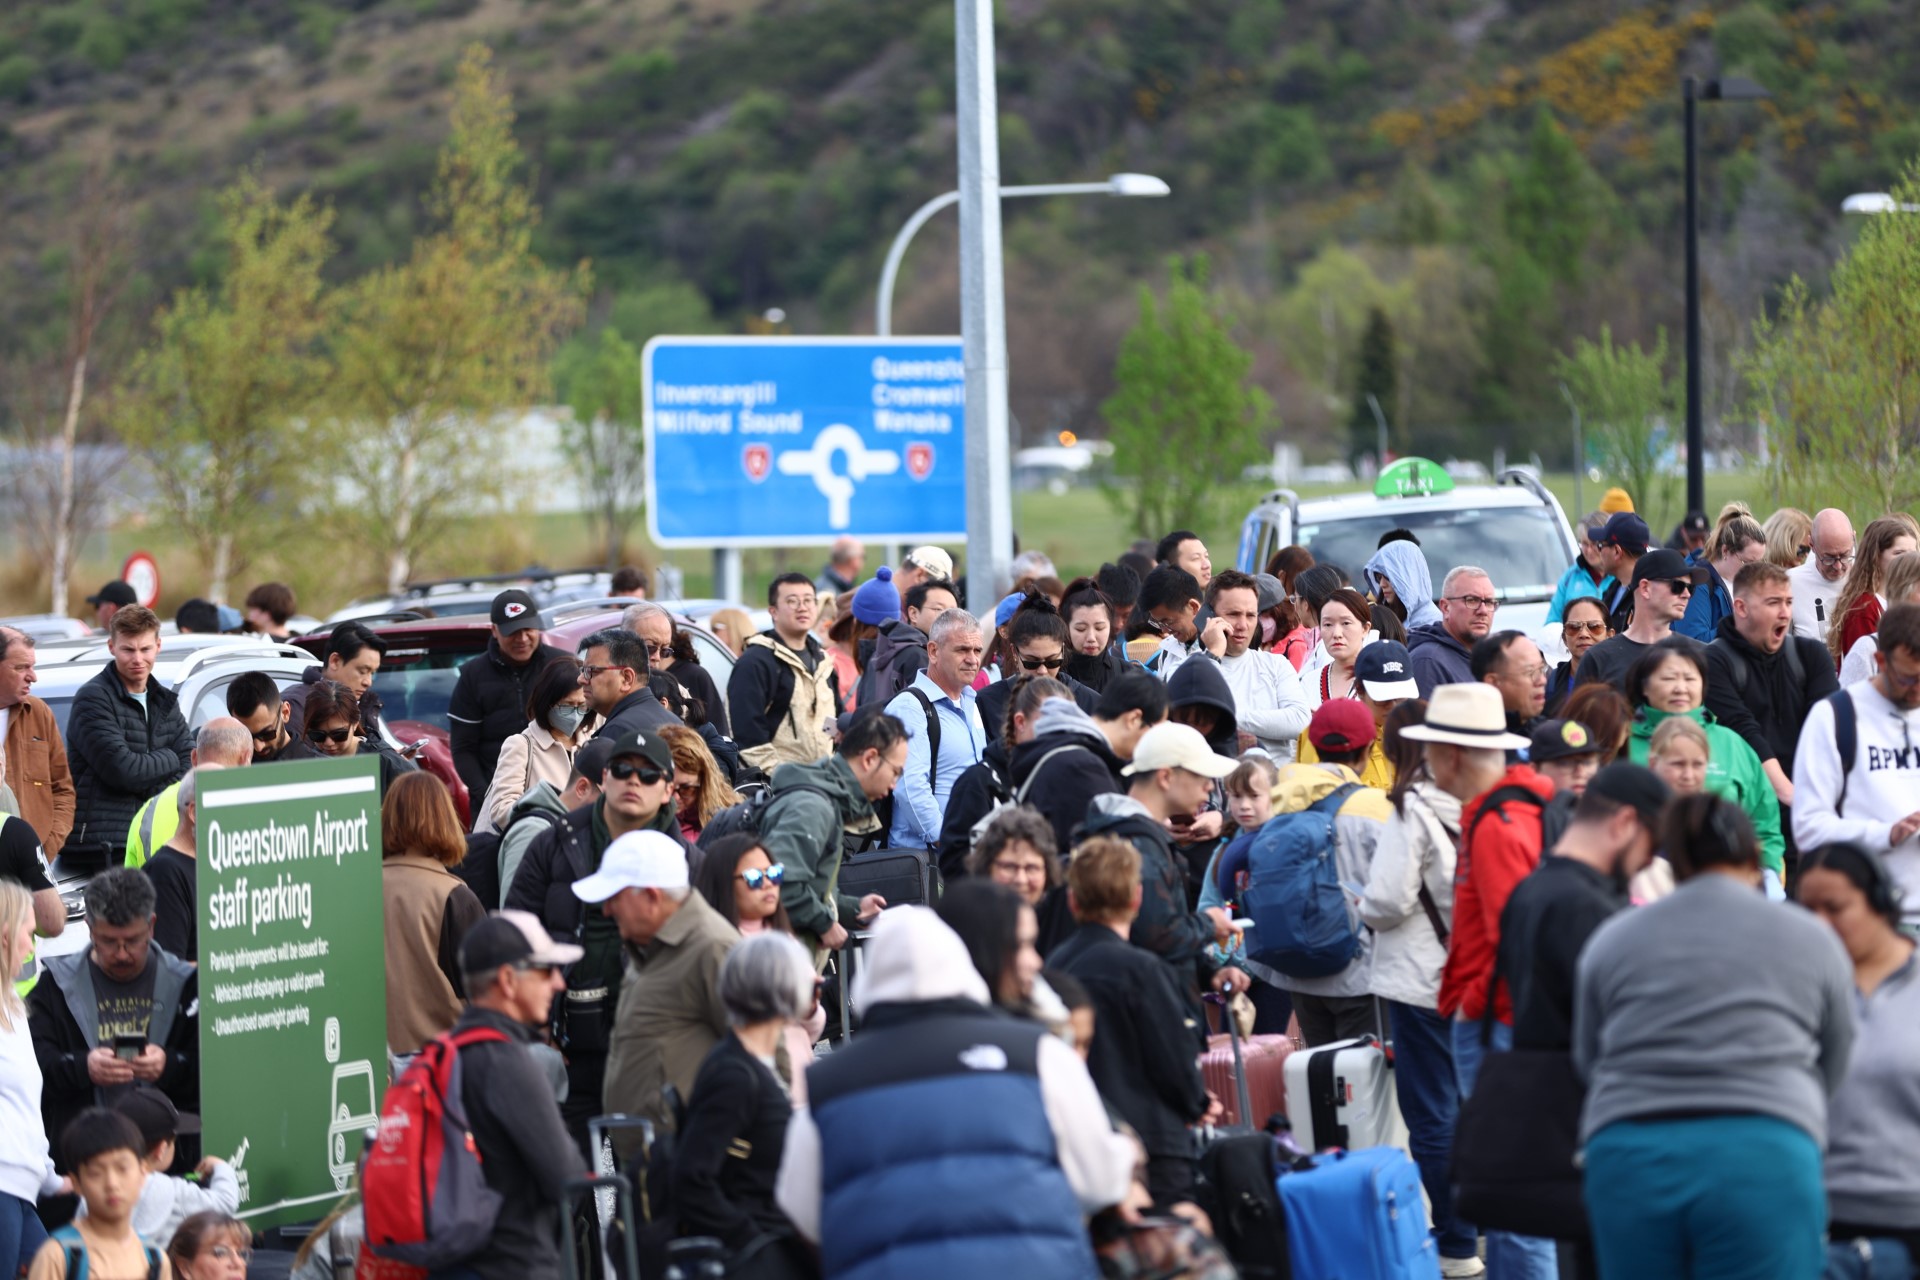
726, 574
1579, 457
983, 320
1696, 430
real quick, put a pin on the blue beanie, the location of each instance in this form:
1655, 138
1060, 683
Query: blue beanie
877, 601
1007, 608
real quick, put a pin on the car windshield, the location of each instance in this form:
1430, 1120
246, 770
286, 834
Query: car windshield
1521, 548
417, 685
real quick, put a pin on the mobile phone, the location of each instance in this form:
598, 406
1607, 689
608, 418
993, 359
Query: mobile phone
128, 1047
1243, 922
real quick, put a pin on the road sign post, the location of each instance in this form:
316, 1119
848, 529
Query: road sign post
293, 1004
755, 442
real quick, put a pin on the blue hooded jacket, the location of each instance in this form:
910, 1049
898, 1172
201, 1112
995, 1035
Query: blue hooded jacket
1405, 566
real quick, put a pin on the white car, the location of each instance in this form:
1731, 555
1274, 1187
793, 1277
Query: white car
1514, 529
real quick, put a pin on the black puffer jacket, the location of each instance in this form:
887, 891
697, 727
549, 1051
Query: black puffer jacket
121, 756
1070, 779
994, 701
978, 788
488, 706
566, 852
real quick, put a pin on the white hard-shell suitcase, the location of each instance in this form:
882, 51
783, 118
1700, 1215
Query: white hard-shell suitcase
1341, 1095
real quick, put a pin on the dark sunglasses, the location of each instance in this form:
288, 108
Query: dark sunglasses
268, 735
1680, 586
648, 774
756, 876
1051, 664
330, 735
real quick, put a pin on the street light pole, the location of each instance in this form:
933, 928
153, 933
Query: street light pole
1730, 88
1133, 185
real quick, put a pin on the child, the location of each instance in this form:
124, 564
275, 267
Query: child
166, 1202
105, 1152
1250, 804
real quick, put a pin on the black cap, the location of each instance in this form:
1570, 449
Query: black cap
1635, 785
155, 1116
590, 761
115, 592
648, 746
1560, 739
1696, 522
515, 610
1663, 564
1626, 531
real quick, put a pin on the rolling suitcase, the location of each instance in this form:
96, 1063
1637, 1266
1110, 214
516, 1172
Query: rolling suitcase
904, 877
1358, 1215
1263, 1061
1341, 1095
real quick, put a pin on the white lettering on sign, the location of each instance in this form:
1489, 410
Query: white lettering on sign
770, 424
923, 423
942, 370
688, 422
749, 395
951, 396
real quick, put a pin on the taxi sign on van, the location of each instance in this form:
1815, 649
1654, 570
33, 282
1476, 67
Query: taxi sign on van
1412, 478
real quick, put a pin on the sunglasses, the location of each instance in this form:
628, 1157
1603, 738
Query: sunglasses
268, 735
1680, 586
329, 735
756, 876
648, 774
1051, 664
1584, 628
659, 651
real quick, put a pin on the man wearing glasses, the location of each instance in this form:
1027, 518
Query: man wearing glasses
613, 670
654, 625
636, 794
1443, 651
1817, 580
945, 735
1658, 594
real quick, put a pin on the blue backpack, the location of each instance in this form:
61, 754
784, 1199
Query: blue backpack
75, 1247
1301, 923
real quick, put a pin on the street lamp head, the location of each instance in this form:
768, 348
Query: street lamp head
1870, 202
1733, 89
1137, 184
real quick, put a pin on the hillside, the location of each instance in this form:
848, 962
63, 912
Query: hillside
1496, 176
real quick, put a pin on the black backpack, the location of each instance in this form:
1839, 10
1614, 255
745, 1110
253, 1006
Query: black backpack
1239, 1189
480, 869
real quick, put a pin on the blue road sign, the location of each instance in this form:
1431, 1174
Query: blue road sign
788, 441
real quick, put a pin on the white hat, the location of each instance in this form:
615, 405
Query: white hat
1466, 715
933, 560
1177, 746
637, 860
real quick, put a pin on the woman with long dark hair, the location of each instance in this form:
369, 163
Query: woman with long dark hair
1000, 931
558, 721
1092, 657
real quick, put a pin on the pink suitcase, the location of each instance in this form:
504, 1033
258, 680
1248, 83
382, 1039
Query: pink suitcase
1266, 1065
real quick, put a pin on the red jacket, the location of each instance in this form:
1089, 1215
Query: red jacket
1504, 850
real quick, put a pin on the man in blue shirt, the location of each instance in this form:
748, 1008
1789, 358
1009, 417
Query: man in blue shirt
941, 696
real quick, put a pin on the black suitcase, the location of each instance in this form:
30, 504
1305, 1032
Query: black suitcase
904, 877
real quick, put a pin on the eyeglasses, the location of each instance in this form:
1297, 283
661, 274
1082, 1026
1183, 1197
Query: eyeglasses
588, 672
1154, 624
1051, 664
1533, 675
1020, 870
1836, 561
648, 774
659, 650
330, 735
1583, 628
1680, 586
758, 876
227, 1252
1476, 603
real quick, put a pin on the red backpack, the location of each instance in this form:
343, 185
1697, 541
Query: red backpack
427, 1201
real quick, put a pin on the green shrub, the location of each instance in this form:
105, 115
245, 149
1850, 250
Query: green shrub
17, 74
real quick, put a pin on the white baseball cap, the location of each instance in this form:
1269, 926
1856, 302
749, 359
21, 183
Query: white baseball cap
637, 860
933, 560
1177, 746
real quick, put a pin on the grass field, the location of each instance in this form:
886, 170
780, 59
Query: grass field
1078, 529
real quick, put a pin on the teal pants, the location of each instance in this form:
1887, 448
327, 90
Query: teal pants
1712, 1198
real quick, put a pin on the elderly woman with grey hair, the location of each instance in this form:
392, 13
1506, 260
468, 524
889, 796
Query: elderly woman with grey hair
729, 1148
670, 648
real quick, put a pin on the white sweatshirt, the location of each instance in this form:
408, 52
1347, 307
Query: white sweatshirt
1267, 700
1882, 787
165, 1202
1813, 598
26, 1168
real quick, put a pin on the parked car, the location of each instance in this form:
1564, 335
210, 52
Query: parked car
450, 597
48, 626
715, 657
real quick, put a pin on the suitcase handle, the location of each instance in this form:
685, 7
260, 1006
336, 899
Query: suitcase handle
1241, 1093
622, 1208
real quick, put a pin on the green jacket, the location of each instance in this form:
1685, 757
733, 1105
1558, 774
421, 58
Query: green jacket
1733, 771
805, 831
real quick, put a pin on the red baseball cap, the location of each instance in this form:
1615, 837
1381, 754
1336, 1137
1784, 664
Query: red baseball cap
1344, 724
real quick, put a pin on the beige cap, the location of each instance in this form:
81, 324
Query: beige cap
1179, 746
933, 560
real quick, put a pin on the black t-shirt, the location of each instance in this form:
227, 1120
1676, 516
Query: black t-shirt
176, 911
124, 1009
1547, 921
1609, 661
21, 857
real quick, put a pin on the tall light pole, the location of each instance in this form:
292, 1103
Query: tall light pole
1728, 89
1128, 185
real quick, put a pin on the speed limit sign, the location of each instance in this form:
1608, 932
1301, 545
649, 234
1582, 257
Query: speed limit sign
142, 574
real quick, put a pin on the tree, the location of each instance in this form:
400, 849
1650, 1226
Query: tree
1627, 402
212, 404
433, 354
600, 382
1377, 378
1183, 413
1836, 383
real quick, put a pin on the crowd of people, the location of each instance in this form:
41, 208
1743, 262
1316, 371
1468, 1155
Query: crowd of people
1662, 851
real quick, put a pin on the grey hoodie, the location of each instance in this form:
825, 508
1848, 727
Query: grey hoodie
542, 799
1405, 566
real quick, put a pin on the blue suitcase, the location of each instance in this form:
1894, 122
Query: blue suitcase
1358, 1215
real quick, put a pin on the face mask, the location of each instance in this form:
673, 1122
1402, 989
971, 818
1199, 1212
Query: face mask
564, 719
1267, 628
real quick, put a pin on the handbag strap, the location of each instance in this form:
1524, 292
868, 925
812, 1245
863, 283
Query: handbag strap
1432, 908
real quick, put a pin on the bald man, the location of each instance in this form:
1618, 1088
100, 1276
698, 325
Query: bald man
176, 901
225, 742
1817, 580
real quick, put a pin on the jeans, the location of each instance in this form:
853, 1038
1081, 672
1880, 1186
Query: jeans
21, 1235
1708, 1197
1872, 1259
1429, 1096
1509, 1257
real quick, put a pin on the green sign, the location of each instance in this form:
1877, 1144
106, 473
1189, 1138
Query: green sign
293, 996
1412, 478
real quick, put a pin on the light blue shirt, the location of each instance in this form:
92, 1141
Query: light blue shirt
919, 807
